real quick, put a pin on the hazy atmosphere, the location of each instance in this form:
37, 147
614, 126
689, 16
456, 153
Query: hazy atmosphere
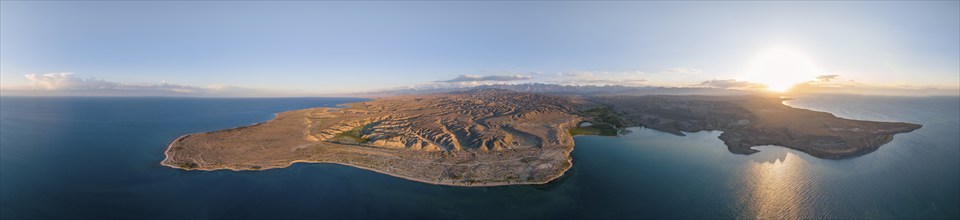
301, 109
158, 48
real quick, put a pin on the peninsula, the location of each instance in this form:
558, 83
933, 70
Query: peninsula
492, 137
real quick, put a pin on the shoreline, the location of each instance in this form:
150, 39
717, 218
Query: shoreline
769, 124
170, 146
443, 183
569, 160
167, 156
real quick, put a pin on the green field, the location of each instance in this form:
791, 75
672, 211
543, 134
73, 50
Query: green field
356, 134
606, 122
603, 115
602, 130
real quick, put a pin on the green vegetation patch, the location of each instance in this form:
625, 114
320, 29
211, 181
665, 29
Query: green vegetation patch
603, 115
355, 134
190, 165
606, 122
602, 130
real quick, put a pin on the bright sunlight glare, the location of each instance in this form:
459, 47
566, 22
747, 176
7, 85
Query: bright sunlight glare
780, 68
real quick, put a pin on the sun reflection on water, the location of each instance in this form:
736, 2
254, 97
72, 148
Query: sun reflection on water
775, 189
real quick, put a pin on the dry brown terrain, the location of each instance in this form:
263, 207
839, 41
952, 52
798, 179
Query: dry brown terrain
499, 137
477, 138
748, 121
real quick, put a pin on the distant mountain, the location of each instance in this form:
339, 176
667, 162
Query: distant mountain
569, 90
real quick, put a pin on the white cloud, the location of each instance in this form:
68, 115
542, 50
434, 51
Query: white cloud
467, 81
66, 81
577, 74
59, 84
828, 85
731, 84
577, 78
682, 70
827, 78
487, 78
599, 78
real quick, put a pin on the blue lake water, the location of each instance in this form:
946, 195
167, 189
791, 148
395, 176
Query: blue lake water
99, 158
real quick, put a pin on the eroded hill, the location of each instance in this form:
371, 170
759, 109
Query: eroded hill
499, 137
486, 137
748, 121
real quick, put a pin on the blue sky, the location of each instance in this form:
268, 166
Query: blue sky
337, 47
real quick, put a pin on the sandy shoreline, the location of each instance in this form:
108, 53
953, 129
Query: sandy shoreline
514, 139
444, 183
167, 156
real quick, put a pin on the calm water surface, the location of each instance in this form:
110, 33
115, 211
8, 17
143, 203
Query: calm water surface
99, 158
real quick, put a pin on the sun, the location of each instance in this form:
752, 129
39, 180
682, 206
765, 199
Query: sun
780, 68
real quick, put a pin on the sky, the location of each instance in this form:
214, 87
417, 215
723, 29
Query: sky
301, 47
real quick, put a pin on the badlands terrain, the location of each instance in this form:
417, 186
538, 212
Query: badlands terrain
491, 137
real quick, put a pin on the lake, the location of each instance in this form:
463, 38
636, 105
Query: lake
75, 157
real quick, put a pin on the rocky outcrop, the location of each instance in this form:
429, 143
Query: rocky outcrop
748, 121
478, 138
480, 120
498, 137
